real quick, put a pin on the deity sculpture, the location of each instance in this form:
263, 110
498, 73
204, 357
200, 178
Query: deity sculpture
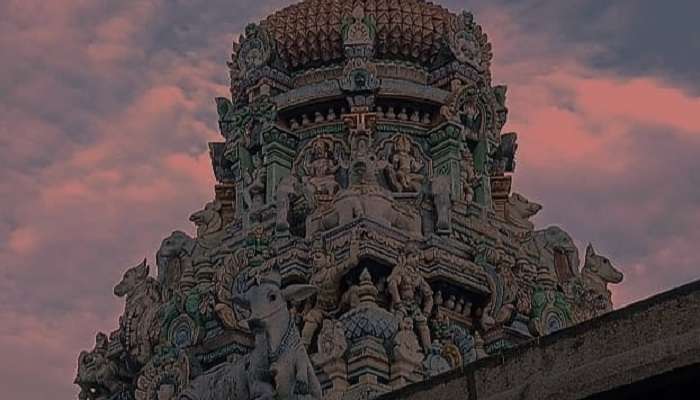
320, 170
327, 276
256, 183
402, 172
411, 295
470, 178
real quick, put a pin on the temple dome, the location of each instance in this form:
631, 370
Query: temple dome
309, 33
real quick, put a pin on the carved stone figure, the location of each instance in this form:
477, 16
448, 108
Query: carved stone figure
278, 366
285, 191
411, 296
173, 258
327, 276
440, 187
163, 377
519, 210
256, 185
331, 342
139, 324
556, 251
406, 346
470, 178
319, 172
208, 222
98, 376
591, 295
402, 172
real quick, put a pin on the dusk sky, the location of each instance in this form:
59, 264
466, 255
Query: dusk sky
106, 108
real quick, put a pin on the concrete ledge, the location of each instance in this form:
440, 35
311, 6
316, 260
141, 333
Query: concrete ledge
653, 339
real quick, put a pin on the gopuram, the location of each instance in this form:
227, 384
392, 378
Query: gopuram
362, 235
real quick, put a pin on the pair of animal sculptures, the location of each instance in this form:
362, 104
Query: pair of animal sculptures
278, 367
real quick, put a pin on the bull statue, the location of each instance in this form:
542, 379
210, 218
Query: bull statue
596, 274
278, 367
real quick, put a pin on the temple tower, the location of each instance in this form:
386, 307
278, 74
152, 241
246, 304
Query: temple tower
362, 158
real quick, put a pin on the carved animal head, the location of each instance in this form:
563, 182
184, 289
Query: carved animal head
176, 245
523, 207
267, 301
209, 219
600, 267
132, 278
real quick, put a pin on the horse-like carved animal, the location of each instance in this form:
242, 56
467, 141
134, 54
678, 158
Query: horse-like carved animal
139, 325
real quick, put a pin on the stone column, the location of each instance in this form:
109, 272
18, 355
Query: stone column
482, 194
445, 149
278, 151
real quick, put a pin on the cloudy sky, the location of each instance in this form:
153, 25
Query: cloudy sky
106, 108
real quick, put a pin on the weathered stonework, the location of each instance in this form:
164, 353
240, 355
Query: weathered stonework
649, 350
363, 234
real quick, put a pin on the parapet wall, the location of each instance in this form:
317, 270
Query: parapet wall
647, 350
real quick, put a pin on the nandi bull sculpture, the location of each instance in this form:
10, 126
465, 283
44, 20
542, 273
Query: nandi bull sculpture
278, 367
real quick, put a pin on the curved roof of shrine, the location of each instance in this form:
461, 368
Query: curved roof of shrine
309, 33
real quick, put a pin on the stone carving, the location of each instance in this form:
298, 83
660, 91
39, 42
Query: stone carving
406, 346
163, 377
278, 366
358, 29
286, 192
327, 276
363, 155
98, 376
403, 169
440, 187
256, 185
244, 123
255, 50
210, 225
519, 210
319, 167
504, 157
174, 258
589, 292
411, 296
468, 44
229, 267
332, 344
434, 363
470, 178
556, 251
139, 325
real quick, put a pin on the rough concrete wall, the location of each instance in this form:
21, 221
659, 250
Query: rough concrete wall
647, 339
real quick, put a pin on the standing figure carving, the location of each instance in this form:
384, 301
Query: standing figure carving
411, 295
256, 184
470, 178
327, 276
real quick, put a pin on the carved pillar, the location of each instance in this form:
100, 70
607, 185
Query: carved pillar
445, 150
226, 194
278, 152
482, 194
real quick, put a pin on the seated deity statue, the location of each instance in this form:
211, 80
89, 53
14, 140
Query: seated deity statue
403, 169
320, 172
